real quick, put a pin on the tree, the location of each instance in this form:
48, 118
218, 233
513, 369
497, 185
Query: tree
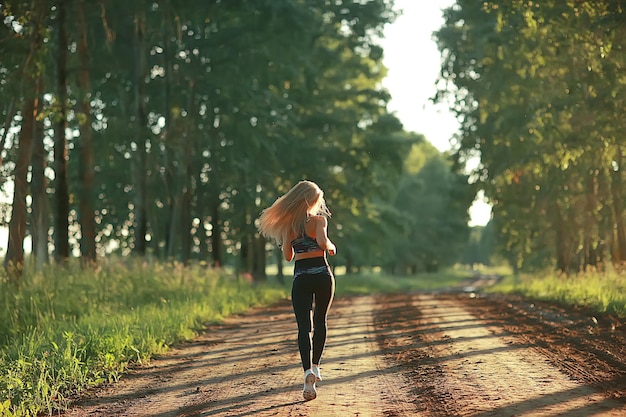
190, 118
14, 260
432, 204
86, 174
61, 192
536, 85
40, 223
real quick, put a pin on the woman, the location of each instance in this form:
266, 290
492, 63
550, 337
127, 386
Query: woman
298, 222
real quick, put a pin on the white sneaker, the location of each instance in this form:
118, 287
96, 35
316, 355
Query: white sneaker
316, 372
309, 393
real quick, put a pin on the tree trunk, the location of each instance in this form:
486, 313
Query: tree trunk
605, 219
349, 263
203, 244
563, 252
216, 241
258, 258
140, 163
39, 183
14, 260
40, 208
243, 265
61, 234
187, 191
175, 227
7, 126
166, 134
86, 170
592, 257
185, 220
618, 210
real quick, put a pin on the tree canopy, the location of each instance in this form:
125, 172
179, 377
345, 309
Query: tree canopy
539, 88
162, 128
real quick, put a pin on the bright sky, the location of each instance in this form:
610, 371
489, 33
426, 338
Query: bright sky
413, 62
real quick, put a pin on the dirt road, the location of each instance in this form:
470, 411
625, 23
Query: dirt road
391, 356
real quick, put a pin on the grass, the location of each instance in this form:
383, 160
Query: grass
69, 329
599, 292
376, 282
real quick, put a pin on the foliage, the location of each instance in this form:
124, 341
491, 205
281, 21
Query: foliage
69, 329
430, 209
201, 113
480, 247
539, 89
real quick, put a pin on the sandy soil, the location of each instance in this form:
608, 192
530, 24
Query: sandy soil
447, 354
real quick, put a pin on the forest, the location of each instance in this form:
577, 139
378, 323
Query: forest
539, 89
161, 129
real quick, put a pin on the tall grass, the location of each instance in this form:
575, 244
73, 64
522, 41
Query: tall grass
600, 292
68, 329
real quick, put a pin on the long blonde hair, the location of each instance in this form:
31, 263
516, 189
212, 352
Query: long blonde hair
289, 212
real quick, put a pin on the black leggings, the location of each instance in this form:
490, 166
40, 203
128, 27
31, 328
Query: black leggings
313, 280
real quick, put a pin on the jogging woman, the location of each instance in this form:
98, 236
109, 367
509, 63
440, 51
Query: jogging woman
298, 222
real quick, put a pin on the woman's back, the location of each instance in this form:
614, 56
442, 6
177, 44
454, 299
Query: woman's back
307, 242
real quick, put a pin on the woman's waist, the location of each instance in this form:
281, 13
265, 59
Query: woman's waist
311, 255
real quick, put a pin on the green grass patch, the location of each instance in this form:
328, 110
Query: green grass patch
68, 329
380, 283
600, 292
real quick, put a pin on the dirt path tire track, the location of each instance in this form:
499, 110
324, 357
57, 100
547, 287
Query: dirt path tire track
250, 366
416, 355
589, 348
463, 365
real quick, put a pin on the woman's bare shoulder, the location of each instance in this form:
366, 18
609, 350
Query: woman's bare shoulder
319, 220
313, 224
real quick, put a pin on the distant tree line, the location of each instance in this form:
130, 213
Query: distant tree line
161, 128
540, 89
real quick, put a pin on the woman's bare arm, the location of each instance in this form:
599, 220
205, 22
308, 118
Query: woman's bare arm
321, 235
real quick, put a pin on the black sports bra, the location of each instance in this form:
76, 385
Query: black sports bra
304, 244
